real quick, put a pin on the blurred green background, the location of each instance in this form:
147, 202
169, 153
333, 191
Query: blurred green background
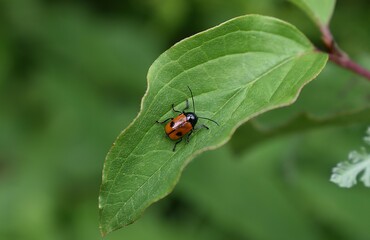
72, 74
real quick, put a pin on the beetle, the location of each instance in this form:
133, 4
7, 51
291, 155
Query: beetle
184, 123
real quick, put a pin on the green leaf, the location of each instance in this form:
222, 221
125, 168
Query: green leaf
320, 11
237, 70
302, 122
345, 173
327, 203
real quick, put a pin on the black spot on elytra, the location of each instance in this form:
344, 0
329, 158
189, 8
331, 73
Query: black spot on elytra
179, 134
172, 123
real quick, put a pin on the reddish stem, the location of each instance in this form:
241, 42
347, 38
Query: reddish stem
347, 63
339, 57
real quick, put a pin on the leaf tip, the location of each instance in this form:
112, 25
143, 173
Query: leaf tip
104, 227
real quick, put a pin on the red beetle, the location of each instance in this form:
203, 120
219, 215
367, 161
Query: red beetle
184, 123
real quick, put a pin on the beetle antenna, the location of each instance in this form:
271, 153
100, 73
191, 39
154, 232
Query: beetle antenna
209, 120
192, 98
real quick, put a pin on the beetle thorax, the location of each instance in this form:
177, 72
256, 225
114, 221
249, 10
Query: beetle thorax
192, 118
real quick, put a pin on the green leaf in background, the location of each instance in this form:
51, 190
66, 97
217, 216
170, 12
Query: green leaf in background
320, 11
237, 70
301, 122
254, 194
345, 173
335, 206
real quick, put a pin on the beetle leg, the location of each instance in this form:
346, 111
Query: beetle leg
174, 147
164, 120
188, 136
173, 108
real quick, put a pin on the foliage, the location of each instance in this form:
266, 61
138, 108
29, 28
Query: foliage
320, 11
345, 173
241, 68
72, 74
235, 75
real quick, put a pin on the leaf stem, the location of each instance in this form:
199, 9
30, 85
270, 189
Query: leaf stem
339, 57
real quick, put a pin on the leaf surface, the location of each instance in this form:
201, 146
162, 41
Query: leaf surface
237, 70
320, 11
345, 173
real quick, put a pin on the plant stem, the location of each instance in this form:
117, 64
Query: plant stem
347, 63
339, 57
